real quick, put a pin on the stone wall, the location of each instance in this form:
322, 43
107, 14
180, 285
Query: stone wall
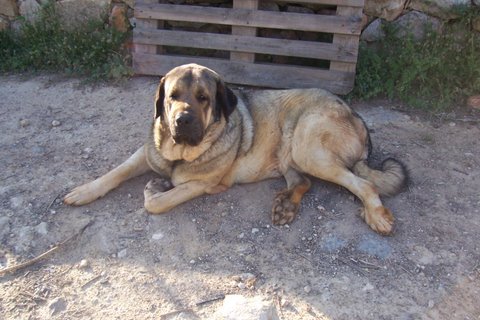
412, 15
408, 14
71, 12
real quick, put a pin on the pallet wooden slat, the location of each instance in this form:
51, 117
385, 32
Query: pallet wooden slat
349, 3
269, 75
346, 40
146, 23
343, 52
251, 18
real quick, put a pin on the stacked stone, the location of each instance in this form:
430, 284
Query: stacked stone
407, 14
71, 12
411, 16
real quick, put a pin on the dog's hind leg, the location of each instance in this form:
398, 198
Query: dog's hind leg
287, 202
379, 218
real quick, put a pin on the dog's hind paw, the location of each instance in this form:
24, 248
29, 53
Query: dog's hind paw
284, 210
380, 220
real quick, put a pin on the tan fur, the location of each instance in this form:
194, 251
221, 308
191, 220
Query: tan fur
269, 134
388, 181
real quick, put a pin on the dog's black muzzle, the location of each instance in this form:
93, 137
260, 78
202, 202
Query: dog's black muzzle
187, 129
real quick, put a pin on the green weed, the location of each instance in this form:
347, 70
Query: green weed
93, 50
434, 74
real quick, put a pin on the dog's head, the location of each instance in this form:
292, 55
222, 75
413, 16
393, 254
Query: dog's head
189, 99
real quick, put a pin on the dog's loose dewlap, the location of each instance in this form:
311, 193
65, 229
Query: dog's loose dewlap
205, 138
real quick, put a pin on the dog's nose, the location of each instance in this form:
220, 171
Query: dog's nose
184, 119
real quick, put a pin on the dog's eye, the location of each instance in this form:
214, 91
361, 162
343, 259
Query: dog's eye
174, 96
202, 98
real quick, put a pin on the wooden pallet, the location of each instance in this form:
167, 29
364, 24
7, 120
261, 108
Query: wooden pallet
243, 44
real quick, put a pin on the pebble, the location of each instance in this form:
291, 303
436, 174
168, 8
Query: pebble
157, 236
24, 123
122, 253
307, 289
42, 228
321, 208
16, 202
88, 150
368, 287
242, 285
241, 235
84, 264
452, 124
255, 230
57, 305
55, 123
431, 304
245, 280
240, 307
192, 261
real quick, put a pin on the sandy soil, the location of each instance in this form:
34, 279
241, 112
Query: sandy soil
127, 264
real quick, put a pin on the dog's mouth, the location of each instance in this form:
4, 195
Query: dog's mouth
190, 137
180, 139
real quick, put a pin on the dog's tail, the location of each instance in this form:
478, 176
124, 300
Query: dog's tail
390, 180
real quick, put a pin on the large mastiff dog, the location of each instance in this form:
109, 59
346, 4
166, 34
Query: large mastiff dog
205, 138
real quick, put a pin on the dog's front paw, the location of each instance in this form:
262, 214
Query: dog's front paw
157, 185
84, 194
153, 192
284, 210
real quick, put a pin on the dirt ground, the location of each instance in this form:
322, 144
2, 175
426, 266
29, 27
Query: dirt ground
127, 264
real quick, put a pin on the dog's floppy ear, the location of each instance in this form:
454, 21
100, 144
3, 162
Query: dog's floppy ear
159, 98
225, 101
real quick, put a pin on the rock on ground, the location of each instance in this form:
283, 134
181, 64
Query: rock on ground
237, 307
